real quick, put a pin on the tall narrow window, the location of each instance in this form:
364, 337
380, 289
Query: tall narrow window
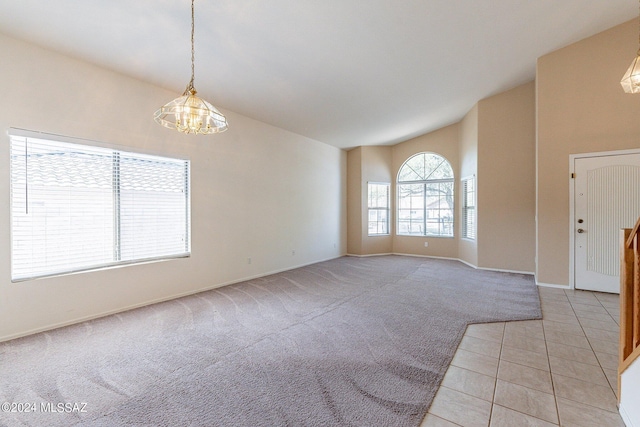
469, 208
425, 196
378, 209
79, 207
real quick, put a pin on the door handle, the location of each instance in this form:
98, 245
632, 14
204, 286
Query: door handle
580, 230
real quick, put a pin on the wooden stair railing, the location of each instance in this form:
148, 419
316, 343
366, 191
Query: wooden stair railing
629, 298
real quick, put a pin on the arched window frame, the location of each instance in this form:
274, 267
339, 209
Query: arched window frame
425, 196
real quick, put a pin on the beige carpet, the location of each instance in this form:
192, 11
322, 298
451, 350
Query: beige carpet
348, 342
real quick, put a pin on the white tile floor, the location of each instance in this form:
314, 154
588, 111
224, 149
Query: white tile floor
558, 371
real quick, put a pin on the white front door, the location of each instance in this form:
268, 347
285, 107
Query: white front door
606, 198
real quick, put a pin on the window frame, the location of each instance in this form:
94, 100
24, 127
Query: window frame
466, 208
115, 217
426, 186
378, 209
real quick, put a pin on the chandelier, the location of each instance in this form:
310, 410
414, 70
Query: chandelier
190, 113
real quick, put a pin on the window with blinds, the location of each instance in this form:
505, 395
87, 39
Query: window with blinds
78, 207
469, 208
378, 208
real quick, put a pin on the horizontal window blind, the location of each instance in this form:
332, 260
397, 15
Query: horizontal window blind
77, 207
378, 205
469, 208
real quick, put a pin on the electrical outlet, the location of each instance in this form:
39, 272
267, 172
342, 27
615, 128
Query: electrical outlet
248, 260
426, 244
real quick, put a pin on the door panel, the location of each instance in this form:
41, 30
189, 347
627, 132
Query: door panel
607, 198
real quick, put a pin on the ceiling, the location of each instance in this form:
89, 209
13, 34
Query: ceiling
344, 72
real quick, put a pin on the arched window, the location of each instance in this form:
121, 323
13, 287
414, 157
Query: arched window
425, 196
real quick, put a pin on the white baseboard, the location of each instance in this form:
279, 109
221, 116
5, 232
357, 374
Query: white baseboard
529, 273
468, 263
244, 279
154, 301
552, 285
369, 255
425, 256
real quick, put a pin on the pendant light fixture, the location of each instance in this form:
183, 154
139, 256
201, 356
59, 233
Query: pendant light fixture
631, 80
190, 113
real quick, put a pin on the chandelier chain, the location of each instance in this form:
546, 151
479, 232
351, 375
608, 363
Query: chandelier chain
190, 88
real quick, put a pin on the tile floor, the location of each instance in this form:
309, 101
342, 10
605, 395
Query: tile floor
558, 371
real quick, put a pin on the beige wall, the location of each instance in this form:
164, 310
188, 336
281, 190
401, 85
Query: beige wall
576, 106
495, 141
444, 142
506, 180
364, 165
257, 191
376, 167
581, 108
354, 201
468, 249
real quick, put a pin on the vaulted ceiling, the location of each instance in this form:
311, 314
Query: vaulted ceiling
344, 72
